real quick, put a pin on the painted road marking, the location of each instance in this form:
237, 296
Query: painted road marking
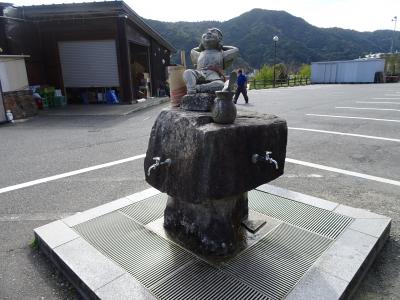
349, 117
345, 172
68, 174
347, 134
377, 102
34, 217
367, 108
121, 161
386, 98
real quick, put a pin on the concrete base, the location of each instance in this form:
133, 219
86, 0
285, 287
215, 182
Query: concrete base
120, 251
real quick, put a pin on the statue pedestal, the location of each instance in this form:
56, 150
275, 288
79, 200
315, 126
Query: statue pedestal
210, 172
211, 226
198, 102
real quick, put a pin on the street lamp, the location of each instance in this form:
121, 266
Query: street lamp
394, 32
275, 39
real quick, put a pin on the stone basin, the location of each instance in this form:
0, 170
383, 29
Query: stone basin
210, 171
213, 161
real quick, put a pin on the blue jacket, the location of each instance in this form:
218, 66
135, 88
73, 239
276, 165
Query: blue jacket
241, 80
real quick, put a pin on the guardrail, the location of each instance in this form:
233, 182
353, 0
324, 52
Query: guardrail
266, 84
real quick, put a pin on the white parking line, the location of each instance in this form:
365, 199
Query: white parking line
386, 98
68, 174
121, 161
347, 134
377, 102
367, 108
345, 172
349, 117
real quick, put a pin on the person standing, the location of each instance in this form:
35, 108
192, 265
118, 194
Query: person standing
241, 87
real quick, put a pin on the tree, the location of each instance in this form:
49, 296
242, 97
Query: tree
305, 71
266, 73
392, 63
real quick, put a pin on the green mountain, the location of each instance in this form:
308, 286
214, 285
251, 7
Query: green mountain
299, 41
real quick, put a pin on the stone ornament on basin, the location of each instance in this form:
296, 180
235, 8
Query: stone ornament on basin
210, 60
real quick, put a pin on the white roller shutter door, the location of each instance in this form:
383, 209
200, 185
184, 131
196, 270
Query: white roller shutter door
89, 63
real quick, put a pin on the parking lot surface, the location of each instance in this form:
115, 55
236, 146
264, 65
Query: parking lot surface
343, 146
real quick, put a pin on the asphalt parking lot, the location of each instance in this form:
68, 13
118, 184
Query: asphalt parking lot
343, 146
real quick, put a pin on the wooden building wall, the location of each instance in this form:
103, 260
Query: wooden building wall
40, 38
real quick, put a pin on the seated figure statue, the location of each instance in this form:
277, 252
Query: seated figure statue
210, 60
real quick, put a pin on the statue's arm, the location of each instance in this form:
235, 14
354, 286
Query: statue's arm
194, 55
230, 52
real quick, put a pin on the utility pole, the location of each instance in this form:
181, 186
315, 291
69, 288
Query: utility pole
394, 32
275, 39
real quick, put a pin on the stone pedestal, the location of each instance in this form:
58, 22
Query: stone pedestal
213, 224
210, 169
198, 102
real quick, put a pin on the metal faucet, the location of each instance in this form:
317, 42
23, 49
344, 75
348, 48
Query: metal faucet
259, 158
158, 164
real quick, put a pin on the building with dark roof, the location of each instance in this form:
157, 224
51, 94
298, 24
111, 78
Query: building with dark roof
87, 48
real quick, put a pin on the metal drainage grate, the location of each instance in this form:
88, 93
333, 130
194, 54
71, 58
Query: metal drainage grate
146, 256
269, 269
277, 262
318, 220
202, 281
147, 210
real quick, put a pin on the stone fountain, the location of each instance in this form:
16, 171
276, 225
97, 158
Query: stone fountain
206, 158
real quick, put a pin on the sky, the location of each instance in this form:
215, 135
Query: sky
359, 15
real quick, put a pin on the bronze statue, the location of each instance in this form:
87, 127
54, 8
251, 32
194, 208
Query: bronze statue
210, 60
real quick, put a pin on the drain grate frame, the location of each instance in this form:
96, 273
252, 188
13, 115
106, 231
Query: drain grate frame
278, 261
147, 210
128, 243
268, 269
333, 275
200, 280
324, 222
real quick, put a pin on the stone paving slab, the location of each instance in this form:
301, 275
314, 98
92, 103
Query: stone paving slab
335, 274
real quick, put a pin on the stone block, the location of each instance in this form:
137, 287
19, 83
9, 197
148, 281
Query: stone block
318, 285
213, 161
124, 287
198, 102
211, 227
373, 227
306, 199
94, 269
350, 251
55, 234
